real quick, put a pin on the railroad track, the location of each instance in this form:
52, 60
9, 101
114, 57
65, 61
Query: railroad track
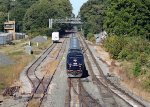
40, 86
105, 84
78, 96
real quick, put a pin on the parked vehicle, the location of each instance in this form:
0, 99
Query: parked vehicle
55, 37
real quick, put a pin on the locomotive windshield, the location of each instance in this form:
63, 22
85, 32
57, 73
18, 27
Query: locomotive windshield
75, 58
75, 62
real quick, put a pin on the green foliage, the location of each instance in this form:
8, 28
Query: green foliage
3, 17
133, 49
128, 17
128, 48
34, 14
147, 84
38, 14
114, 45
16, 10
91, 37
2, 86
137, 69
91, 14
143, 58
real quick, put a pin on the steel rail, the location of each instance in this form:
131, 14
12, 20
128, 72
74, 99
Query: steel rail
30, 67
47, 52
108, 82
45, 91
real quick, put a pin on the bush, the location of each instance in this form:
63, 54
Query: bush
91, 37
133, 55
123, 54
146, 84
40, 31
148, 64
114, 45
137, 69
143, 58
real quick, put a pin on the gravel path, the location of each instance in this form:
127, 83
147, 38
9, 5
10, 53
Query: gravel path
114, 79
57, 89
93, 88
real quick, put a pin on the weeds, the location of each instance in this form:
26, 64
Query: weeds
137, 69
132, 49
10, 73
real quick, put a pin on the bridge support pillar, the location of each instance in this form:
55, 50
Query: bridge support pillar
50, 23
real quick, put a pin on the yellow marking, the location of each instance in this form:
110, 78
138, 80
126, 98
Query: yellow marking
63, 58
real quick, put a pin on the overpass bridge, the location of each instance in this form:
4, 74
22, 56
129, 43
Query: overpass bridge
74, 21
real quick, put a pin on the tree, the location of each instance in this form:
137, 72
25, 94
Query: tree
3, 18
16, 9
128, 17
91, 14
38, 14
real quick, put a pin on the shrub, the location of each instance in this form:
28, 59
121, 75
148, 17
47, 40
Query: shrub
137, 69
148, 64
91, 37
123, 54
133, 55
146, 84
114, 45
143, 58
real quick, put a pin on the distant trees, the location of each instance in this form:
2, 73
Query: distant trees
38, 14
16, 9
3, 17
91, 14
33, 15
128, 17
128, 24
121, 17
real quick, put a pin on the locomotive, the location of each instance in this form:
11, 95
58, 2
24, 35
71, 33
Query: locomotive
75, 59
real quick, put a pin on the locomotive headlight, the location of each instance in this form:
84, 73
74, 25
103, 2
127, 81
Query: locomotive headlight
69, 65
80, 65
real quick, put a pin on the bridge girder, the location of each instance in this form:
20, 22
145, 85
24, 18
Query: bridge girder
66, 21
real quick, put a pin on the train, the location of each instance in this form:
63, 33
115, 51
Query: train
75, 59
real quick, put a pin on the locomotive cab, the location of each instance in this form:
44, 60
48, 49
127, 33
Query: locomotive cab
75, 63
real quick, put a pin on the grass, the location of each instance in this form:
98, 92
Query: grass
134, 54
135, 85
10, 73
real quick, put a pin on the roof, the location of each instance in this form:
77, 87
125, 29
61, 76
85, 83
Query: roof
5, 34
74, 43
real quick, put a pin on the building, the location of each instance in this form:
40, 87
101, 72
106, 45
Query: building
5, 38
9, 27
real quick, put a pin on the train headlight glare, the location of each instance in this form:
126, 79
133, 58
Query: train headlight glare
69, 65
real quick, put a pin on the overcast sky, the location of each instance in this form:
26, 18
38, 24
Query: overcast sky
76, 4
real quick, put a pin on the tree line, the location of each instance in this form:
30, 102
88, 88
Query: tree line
32, 15
120, 17
127, 23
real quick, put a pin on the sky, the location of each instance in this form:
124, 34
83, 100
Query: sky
76, 4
